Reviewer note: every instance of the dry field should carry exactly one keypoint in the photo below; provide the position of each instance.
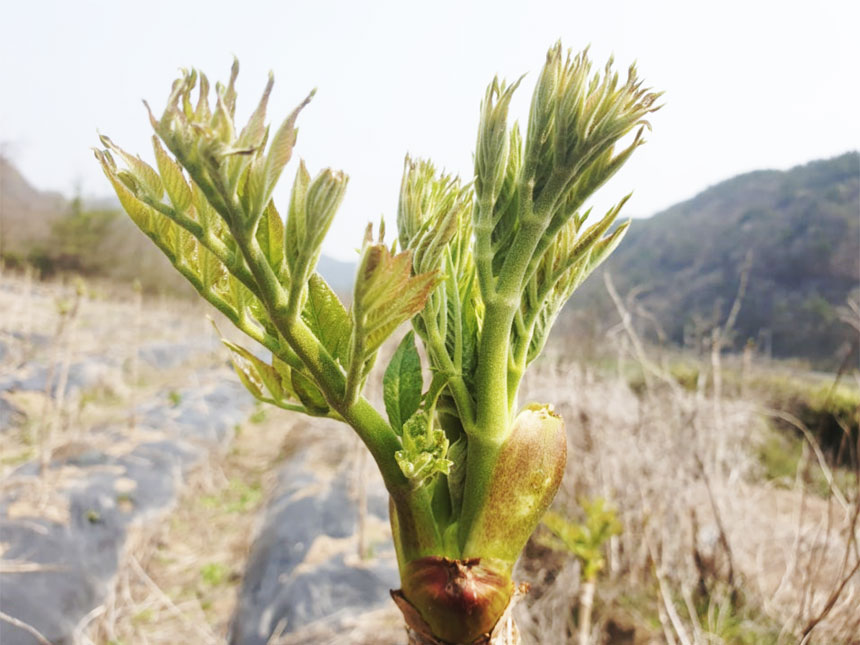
(711, 550)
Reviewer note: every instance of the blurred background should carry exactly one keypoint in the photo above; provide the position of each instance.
(708, 372)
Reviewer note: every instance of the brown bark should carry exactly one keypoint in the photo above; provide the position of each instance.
(504, 633)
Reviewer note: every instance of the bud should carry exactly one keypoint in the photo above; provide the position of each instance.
(491, 150)
(524, 482)
(544, 100)
(433, 209)
(323, 199)
(459, 600)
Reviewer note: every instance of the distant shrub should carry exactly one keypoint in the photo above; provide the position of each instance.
(831, 412)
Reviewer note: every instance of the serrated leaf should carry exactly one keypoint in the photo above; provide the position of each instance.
(140, 213)
(172, 178)
(270, 235)
(253, 132)
(162, 227)
(262, 372)
(309, 394)
(245, 376)
(402, 383)
(386, 294)
(145, 174)
(206, 215)
(296, 233)
(281, 148)
(185, 244)
(209, 268)
(327, 318)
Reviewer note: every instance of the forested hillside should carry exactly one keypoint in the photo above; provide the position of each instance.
(795, 233)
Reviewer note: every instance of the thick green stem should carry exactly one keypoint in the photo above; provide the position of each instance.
(493, 414)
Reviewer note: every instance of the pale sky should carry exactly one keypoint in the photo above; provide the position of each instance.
(749, 84)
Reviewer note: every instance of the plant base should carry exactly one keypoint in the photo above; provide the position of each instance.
(504, 633)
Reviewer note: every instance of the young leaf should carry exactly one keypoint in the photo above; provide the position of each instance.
(310, 395)
(424, 450)
(402, 383)
(281, 149)
(270, 235)
(145, 175)
(327, 318)
(386, 294)
(261, 373)
(140, 213)
(172, 178)
(209, 269)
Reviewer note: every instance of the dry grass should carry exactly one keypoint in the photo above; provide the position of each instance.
(710, 552)
(180, 576)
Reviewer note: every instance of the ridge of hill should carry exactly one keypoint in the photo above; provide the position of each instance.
(796, 235)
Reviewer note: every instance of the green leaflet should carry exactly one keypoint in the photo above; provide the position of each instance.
(140, 213)
(327, 318)
(386, 295)
(270, 235)
(172, 178)
(146, 178)
(256, 374)
(281, 149)
(206, 215)
(424, 450)
(491, 155)
(586, 540)
(402, 383)
(277, 383)
(310, 395)
(313, 205)
(209, 268)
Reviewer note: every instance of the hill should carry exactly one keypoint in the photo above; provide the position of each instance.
(26, 214)
(797, 232)
(94, 238)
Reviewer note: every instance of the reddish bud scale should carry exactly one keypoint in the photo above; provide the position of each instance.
(524, 482)
(459, 600)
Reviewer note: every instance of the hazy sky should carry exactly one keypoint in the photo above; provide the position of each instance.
(749, 84)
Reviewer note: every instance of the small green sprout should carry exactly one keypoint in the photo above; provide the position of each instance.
(587, 540)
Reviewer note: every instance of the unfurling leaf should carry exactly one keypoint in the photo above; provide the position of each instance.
(256, 374)
(312, 208)
(327, 318)
(309, 394)
(140, 213)
(270, 235)
(432, 210)
(402, 383)
(171, 175)
(146, 179)
(386, 294)
(491, 154)
(281, 148)
(425, 449)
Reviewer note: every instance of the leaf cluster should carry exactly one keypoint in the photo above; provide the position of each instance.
(207, 205)
(586, 540)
